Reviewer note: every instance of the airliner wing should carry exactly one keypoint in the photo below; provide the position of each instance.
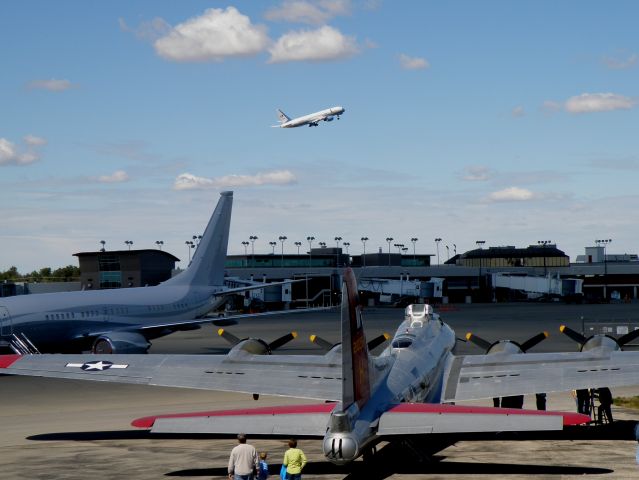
(499, 375)
(303, 376)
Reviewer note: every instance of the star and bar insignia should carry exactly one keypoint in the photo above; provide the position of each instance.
(96, 366)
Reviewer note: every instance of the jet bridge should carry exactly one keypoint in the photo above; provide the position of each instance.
(391, 290)
(533, 287)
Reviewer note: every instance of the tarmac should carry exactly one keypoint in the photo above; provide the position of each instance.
(63, 429)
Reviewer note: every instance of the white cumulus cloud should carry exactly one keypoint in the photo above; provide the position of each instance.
(52, 85)
(12, 154)
(477, 173)
(617, 63)
(187, 181)
(320, 45)
(213, 36)
(413, 63)
(116, 177)
(511, 194)
(598, 102)
(518, 111)
(312, 12)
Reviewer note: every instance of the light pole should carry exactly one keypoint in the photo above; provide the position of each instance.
(454, 249)
(543, 244)
(364, 240)
(479, 244)
(389, 240)
(322, 244)
(605, 242)
(347, 244)
(337, 240)
(246, 244)
(129, 243)
(437, 240)
(298, 245)
(103, 244)
(447, 253)
(310, 247)
(414, 241)
(159, 243)
(282, 239)
(189, 245)
(252, 239)
(272, 244)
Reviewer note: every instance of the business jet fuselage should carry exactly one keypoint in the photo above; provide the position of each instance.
(312, 120)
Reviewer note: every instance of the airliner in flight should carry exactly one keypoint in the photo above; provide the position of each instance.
(124, 320)
(407, 395)
(312, 120)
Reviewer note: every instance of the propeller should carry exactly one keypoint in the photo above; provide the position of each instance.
(599, 340)
(283, 340)
(506, 345)
(326, 345)
(256, 345)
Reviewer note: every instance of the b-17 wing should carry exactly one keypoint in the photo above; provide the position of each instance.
(498, 375)
(303, 376)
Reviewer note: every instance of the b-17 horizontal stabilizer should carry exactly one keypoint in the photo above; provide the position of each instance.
(291, 420)
(423, 418)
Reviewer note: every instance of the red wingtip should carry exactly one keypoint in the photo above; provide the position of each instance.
(145, 422)
(7, 360)
(575, 418)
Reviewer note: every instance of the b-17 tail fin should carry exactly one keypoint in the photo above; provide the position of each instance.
(355, 359)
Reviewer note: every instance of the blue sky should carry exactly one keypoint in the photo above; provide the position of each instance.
(509, 122)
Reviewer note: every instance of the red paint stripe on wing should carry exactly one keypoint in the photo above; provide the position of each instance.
(570, 418)
(7, 360)
(147, 422)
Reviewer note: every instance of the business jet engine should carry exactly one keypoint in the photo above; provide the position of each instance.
(329, 119)
(120, 342)
(599, 340)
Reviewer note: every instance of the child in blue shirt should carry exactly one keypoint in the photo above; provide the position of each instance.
(262, 472)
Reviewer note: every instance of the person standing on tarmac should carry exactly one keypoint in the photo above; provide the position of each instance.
(294, 461)
(243, 462)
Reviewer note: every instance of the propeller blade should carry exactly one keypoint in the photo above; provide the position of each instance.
(320, 342)
(229, 337)
(532, 341)
(377, 341)
(480, 342)
(576, 336)
(628, 337)
(283, 340)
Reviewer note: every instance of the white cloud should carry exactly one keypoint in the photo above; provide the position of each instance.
(324, 44)
(518, 111)
(512, 194)
(616, 63)
(52, 85)
(413, 63)
(187, 181)
(213, 36)
(598, 102)
(11, 154)
(312, 12)
(34, 141)
(118, 176)
(478, 173)
(150, 30)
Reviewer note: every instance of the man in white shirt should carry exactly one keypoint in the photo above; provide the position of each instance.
(243, 461)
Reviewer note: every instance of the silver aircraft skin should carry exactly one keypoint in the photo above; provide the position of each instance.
(124, 320)
(407, 392)
(312, 120)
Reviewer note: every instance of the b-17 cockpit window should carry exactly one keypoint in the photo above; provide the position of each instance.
(402, 342)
